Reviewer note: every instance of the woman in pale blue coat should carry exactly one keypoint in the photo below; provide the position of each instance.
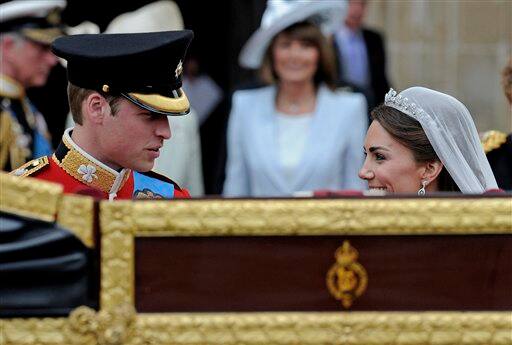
(299, 133)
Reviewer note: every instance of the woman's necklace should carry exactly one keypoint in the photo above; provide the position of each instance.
(296, 106)
(293, 107)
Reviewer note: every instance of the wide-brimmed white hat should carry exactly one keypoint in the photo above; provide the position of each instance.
(163, 15)
(280, 14)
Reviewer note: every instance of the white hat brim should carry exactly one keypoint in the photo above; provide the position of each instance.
(163, 15)
(28, 8)
(252, 52)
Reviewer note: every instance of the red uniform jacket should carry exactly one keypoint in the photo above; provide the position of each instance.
(81, 173)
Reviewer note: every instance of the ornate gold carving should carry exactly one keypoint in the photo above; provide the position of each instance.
(40, 331)
(346, 279)
(44, 200)
(318, 217)
(356, 328)
(120, 221)
(353, 328)
(108, 327)
(76, 213)
(117, 254)
(29, 197)
(84, 326)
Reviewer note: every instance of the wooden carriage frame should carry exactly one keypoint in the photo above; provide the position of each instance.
(117, 322)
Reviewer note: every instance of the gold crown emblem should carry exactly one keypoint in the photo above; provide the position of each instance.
(346, 279)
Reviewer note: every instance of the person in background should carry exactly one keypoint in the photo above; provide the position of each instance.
(298, 133)
(27, 28)
(202, 90)
(120, 94)
(423, 141)
(361, 55)
(498, 145)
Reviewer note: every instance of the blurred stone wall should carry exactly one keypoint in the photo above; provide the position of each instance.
(455, 46)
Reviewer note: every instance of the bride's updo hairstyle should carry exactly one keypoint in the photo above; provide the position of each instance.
(409, 133)
(450, 130)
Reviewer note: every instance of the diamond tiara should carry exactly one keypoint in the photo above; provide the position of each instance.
(393, 99)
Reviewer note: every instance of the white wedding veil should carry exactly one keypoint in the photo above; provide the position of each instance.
(451, 132)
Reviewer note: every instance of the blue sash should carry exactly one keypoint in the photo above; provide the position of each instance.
(41, 146)
(147, 187)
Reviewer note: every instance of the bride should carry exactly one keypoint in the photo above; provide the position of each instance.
(423, 141)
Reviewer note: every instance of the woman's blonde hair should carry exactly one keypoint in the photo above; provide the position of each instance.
(310, 33)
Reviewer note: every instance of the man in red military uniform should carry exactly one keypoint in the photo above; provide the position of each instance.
(121, 89)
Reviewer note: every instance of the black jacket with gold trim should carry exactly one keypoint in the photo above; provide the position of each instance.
(23, 131)
(498, 148)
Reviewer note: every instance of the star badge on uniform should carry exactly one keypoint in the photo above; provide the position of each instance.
(147, 194)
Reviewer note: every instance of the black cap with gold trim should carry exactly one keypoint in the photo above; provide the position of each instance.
(145, 68)
(37, 20)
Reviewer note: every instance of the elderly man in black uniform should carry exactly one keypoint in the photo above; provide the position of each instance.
(27, 28)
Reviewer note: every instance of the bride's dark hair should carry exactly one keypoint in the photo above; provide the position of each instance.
(409, 133)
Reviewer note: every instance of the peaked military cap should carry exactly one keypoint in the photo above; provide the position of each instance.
(37, 20)
(145, 68)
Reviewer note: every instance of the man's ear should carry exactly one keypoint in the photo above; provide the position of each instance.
(432, 170)
(8, 44)
(95, 108)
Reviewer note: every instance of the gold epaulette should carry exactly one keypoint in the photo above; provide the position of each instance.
(6, 137)
(10, 88)
(492, 140)
(31, 167)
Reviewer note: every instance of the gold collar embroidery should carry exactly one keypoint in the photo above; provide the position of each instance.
(86, 169)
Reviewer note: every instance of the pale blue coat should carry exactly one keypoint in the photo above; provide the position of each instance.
(332, 156)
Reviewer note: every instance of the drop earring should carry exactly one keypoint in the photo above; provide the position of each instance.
(422, 191)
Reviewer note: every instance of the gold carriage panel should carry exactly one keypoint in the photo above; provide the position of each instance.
(302, 271)
(160, 262)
